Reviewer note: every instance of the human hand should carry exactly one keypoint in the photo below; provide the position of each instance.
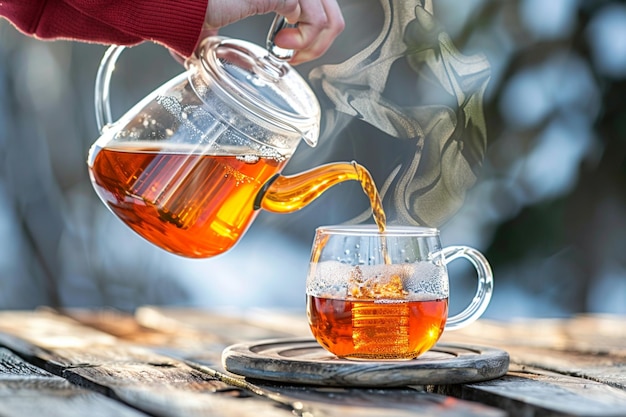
(319, 22)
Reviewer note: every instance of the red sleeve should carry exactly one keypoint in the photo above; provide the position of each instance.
(175, 24)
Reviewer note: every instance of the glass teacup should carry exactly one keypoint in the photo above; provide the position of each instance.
(373, 295)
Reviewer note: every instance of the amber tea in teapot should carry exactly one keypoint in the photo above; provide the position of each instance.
(198, 205)
(193, 205)
(189, 166)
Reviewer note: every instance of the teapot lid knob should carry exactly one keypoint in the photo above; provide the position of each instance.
(259, 81)
(276, 51)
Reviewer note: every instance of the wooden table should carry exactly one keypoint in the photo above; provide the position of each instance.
(167, 362)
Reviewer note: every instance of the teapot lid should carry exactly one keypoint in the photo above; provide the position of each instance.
(267, 87)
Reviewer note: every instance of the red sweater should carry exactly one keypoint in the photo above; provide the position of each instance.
(175, 24)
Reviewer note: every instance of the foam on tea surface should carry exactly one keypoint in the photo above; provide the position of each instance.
(418, 281)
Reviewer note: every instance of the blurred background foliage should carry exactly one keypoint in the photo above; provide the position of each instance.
(549, 208)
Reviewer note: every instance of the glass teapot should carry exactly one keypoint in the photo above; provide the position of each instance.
(190, 165)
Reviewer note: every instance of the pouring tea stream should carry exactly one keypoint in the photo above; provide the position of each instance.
(189, 167)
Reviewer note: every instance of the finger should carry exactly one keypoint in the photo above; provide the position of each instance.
(322, 42)
(310, 22)
(318, 33)
(318, 26)
(292, 15)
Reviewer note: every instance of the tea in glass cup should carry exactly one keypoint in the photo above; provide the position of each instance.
(384, 295)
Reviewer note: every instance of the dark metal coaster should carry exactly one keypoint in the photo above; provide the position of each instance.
(304, 361)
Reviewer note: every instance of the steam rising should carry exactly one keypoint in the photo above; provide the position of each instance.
(443, 122)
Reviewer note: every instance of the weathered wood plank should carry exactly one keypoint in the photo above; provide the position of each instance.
(133, 375)
(166, 386)
(229, 328)
(401, 402)
(531, 392)
(594, 334)
(574, 367)
(192, 334)
(49, 329)
(604, 368)
(325, 401)
(26, 390)
(587, 347)
(598, 333)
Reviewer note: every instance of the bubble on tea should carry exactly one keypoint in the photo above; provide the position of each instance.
(427, 281)
(248, 159)
(195, 124)
(171, 105)
(270, 153)
(328, 279)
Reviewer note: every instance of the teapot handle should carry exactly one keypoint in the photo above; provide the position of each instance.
(107, 66)
(103, 82)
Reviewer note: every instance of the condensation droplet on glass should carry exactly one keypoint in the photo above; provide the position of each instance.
(169, 132)
(346, 252)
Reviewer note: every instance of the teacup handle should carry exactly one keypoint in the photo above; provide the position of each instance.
(483, 292)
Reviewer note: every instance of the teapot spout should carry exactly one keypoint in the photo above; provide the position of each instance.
(286, 194)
